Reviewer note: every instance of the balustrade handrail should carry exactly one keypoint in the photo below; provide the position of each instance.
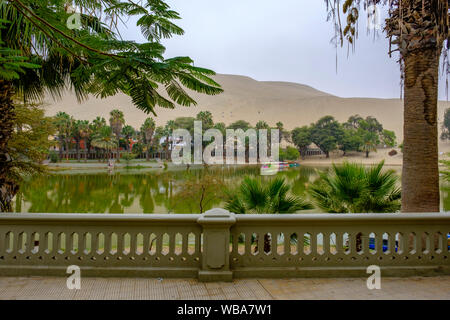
(98, 218)
(327, 217)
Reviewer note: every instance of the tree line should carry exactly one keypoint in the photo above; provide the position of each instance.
(356, 134)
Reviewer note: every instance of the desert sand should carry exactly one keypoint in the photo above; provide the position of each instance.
(251, 100)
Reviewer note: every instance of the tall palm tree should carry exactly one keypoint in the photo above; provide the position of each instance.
(147, 130)
(64, 124)
(128, 133)
(80, 131)
(104, 139)
(61, 121)
(354, 188)
(117, 121)
(418, 30)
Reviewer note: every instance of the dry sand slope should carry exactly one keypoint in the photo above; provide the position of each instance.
(245, 98)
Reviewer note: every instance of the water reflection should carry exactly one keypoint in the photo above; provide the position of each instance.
(150, 192)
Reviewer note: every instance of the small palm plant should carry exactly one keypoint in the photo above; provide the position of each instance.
(354, 188)
(254, 196)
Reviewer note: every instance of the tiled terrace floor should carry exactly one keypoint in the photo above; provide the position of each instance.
(130, 288)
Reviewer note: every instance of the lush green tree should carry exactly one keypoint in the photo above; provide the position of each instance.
(185, 123)
(355, 188)
(206, 118)
(419, 31)
(117, 121)
(105, 139)
(90, 59)
(327, 133)
(80, 131)
(290, 153)
(262, 125)
(64, 124)
(351, 140)
(370, 141)
(128, 133)
(29, 145)
(147, 131)
(240, 124)
(301, 137)
(388, 138)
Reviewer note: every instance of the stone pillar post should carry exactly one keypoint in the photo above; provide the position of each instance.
(216, 225)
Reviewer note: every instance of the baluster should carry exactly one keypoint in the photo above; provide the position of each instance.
(412, 243)
(133, 244)
(235, 240)
(339, 244)
(248, 243)
(198, 243)
(82, 239)
(379, 243)
(95, 243)
(391, 243)
(364, 243)
(159, 244)
(3, 239)
(260, 243)
(172, 243)
(108, 243)
(351, 243)
(287, 243)
(313, 243)
(146, 243)
(47, 243)
(401, 243)
(120, 243)
(326, 243)
(30, 243)
(184, 243)
(300, 243)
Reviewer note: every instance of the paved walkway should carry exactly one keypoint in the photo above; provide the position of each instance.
(171, 289)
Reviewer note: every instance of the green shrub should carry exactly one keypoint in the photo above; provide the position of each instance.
(54, 158)
(289, 153)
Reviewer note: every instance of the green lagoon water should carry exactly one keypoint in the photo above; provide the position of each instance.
(145, 191)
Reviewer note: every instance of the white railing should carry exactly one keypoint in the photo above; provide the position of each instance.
(219, 245)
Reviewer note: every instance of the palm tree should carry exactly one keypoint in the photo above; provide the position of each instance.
(206, 118)
(116, 121)
(128, 132)
(256, 196)
(104, 139)
(147, 130)
(61, 122)
(354, 188)
(418, 30)
(80, 130)
(64, 123)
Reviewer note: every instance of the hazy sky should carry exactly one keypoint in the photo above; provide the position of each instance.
(285, 40)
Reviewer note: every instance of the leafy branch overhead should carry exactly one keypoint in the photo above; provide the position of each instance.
(94, 58)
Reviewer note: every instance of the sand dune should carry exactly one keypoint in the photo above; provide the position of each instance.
(245, 98)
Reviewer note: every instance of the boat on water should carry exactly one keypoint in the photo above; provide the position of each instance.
(271, 168)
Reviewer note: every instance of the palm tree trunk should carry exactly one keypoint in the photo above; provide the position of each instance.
(8, 188)
(420, 175)
(78, 150)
